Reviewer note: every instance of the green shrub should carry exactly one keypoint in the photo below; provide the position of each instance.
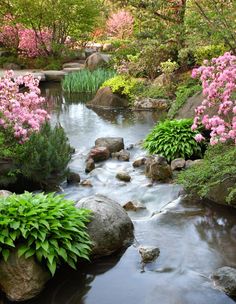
(123, 85)
(173, 139)
(154, 92)
(45, 156)
(151, 57)
(219, 164)
(48, 227)
(208, 52)
(186, 57)
(183, 92)
(86, 81)
(169, 66)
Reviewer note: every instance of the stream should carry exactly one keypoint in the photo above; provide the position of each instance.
(194, 239)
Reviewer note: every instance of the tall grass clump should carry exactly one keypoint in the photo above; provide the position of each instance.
(85, 81)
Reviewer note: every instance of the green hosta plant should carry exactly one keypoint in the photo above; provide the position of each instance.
(173, 139)
(48, 227)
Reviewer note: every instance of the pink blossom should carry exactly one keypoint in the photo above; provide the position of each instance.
(19, 111)
(120, 24)
(219, 88)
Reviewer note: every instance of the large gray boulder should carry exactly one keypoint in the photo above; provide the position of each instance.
(22, 279)
(114, 144)
(110, 228)
(105, 99)
(95, 61)
(5, 193)
(157, 169)
(224, 279)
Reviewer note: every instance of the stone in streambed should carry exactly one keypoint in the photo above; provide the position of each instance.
(139, 162)
(123, 155)
(73, 178)
(123, 176)
(149, 253)
(133, 206)
(90, 165)
(22, 279)
(99, 154)
(224, 279)
(114, 144)
(110, 228)
(157, 169)
(86, 183)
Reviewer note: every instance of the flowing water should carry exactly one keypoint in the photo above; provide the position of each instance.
(194, 239)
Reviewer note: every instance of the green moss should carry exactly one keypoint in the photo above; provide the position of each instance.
(219, 163)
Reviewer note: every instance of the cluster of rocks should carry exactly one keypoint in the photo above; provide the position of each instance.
(155, 167)
(106, 99)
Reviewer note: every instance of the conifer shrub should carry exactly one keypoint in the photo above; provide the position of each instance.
(48, 227)
(45, 156)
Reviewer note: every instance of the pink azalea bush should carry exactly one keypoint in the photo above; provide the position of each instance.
(21, 112)
(219, 89)
(26, 41)
(120, 24)
(33, 45)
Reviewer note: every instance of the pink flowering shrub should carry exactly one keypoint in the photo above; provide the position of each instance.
(219, 89)
(32, 45)
(26, 42)
(120, 24)
(21, 111)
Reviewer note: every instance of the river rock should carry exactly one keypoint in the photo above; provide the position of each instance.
(133, 206)
(177, 164)
(11, 66)
(99, 154)
(90, 165)
(72, 65)
(55, 76)
(86, 183)
(123, 155)
(157, 169)
(114, 144)
(105, 99)
(139, 162)
(107, 47)
(188, 163)
(73, 178)
(22, 279)
(5, 193)
(146, 103)
(149, 253)
(110, 228)
(123, 176)
(95, 61)
(224, 279)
